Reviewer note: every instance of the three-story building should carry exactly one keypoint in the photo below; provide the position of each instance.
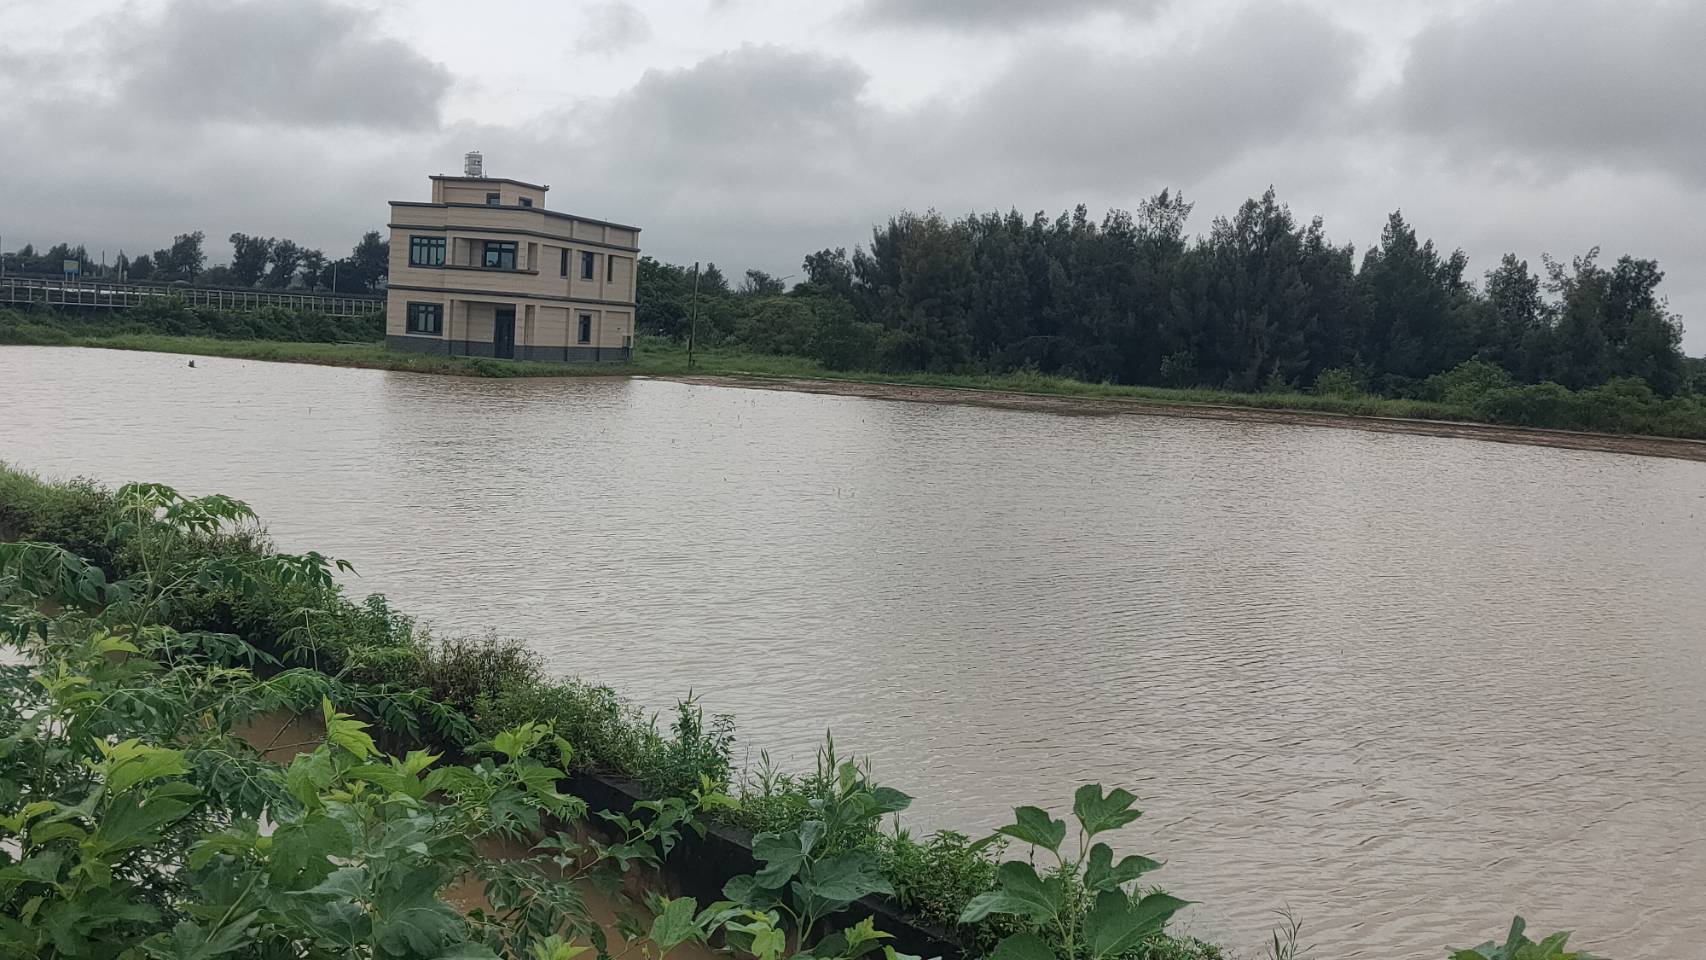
(484, 270)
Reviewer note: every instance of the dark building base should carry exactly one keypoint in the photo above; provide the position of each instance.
(477, 348)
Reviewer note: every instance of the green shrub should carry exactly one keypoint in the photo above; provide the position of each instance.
(72, 514)
(607, 733)
(696, 752)
(1340, 382)
(1467, 383)
(459, 671)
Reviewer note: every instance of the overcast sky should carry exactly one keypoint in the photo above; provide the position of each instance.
(751, 132)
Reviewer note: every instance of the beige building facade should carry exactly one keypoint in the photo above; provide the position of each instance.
(484, 270)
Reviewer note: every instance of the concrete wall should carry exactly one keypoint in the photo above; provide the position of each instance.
(543, 331)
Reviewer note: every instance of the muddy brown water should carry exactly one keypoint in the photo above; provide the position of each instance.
(1405, 685)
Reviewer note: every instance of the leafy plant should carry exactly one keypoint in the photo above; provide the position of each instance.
(1517, 946)
(1083, 907)
(804, 879)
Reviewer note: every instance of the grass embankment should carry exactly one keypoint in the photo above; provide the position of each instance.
(664, 358)
(1474, 400)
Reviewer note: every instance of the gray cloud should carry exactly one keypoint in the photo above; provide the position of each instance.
(613, 25)
(1096, 121)
(309, 63)
(1563, 83)
(990, 14)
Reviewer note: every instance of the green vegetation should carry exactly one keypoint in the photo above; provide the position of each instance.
(1261, 302)
(171, 318)
(154, 626)
(1473, 392)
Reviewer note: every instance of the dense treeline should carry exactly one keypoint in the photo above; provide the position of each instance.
(256, 261)
(1260, 302)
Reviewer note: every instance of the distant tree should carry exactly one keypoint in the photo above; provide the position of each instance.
(712, 283)
(1517, 315)
(371, 261)
(219, 276)
(249, 258)
(142, 267)
(313, 264)
(286, 257)
(760, 284)
(183, 260)
(1581, 354)
(828, 273)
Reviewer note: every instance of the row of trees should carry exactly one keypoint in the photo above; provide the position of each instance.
(1261, 301)
(255, 261)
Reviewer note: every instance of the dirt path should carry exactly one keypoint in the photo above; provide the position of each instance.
(1109, 406)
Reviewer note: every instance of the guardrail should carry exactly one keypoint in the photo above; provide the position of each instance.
(102, 294)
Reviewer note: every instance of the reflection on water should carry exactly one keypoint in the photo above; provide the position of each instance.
(1405, 685)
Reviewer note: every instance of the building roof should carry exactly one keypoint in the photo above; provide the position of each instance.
(540, 210)
(519, 183)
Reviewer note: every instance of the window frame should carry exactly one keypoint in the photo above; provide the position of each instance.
(609, 269)
(583, 328)
(563, 263)
(494, 199)
(589, 265)
(414, 327)
(501, 245)
(525, 201)
(424, 241)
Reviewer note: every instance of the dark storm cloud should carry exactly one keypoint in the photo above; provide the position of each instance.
(1565, 83)
(310, 63)
(990, 14)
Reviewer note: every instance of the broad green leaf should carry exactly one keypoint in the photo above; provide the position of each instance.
(346, 732)
(133, 821)
(887, 800)
(844, 878)
(785, 853)
(1020, 892)
(1023, 946)
(1101, 873)
(1115, 924)
(674, 923)
(131, 763)
(1098, 813)
(1034, 826)
(191, 941)
(40, 868)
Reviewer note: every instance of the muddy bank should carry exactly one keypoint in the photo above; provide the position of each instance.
(1115, 406)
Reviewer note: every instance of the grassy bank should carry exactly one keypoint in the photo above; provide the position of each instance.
(1475, 393)
(666, 358)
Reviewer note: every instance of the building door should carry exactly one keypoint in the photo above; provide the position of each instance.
(503, 334)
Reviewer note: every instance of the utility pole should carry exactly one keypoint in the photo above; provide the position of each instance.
(693, 326)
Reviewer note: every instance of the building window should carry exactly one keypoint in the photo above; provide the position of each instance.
(426, 318)
(586, 266)
(493, 199)
(563, 265)
(585, 332)
(500, 255)
(526, 201)
(426, 251)
(609, 269)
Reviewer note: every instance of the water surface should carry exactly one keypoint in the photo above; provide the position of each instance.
(1406, 685)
